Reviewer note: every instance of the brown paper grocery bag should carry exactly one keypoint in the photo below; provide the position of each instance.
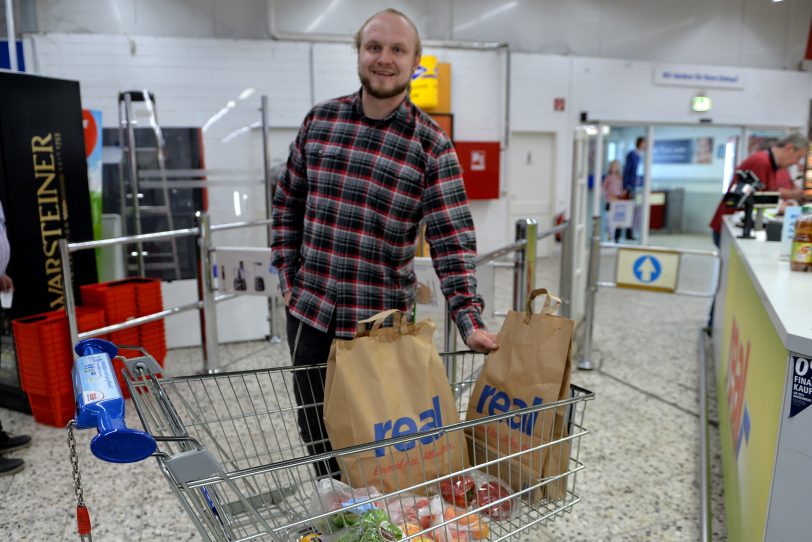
(389, 382)
(531, 367)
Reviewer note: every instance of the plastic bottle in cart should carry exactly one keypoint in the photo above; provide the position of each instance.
(801, 256)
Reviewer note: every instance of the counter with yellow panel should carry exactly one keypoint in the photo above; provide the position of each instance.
(763, 345)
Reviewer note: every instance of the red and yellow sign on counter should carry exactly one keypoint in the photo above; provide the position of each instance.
(751, 375)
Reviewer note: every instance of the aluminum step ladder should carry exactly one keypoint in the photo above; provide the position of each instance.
(137, 156)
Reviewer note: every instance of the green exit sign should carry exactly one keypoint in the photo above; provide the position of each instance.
(701, 104)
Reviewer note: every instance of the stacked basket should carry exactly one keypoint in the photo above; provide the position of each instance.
(123, 300)
(45, 360)
(44, 349)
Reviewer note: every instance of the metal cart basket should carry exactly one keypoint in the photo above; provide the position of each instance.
(230, 448)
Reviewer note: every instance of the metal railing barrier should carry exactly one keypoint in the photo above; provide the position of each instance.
(646, 272)
(524, 275)
(207, 297)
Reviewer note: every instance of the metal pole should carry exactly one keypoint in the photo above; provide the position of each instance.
(524, 262)
(597, 173)
(645, 211)
(133, 171)
(704, 475)
(450, 339)
(568, 249)
(269, 183)
(70, 303)
(205, 291)
(12, 36)
(586, 363)
(565, 273)
(266, 164)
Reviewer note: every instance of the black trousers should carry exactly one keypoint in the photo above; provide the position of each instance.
(313, 347)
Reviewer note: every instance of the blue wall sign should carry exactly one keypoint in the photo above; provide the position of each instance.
(673, 151)
(5, 58)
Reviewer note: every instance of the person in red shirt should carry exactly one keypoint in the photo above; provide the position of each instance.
(770, 167)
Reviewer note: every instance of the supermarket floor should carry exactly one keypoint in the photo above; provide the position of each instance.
(641, 481)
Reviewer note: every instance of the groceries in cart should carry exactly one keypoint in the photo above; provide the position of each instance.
(358, 512)
(488, 494)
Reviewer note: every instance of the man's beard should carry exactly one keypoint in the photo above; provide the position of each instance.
(381, 94)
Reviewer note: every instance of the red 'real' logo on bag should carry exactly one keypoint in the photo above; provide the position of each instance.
(737, 363)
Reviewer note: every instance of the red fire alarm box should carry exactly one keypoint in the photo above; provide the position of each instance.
(480, 168)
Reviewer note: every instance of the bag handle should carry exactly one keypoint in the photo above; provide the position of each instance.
(378, 320)
(551, 302)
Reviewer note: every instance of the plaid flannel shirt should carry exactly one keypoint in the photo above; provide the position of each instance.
(346, 214)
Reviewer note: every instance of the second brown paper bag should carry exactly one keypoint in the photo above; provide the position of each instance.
(531, 367)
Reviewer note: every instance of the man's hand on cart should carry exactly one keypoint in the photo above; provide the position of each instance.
(482, 341)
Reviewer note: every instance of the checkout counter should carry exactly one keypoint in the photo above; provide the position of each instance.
(763, 351)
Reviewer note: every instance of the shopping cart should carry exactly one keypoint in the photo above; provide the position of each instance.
(229, 446)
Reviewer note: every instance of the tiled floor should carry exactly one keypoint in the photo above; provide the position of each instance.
(642, 455)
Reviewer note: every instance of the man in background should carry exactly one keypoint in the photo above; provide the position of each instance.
(631, 180)
(363, 172)
(770, 166)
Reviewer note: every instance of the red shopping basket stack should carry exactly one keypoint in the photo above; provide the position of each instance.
(45, 359)
(148, 300)
(124, 300)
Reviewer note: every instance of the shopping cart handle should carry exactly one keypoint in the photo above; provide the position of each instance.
(100, 405)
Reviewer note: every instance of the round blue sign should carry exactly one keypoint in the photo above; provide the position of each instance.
(647, 268)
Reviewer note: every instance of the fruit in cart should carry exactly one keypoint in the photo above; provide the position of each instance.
(479, 529)
(424, 514)
(458, 490)
(450, 533)
(475, 525)
(410, 528)
(468, 519)
(486, 496)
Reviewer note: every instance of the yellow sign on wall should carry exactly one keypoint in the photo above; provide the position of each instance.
(425, 90)
(752, 371)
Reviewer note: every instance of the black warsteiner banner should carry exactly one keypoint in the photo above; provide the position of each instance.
(43, 187)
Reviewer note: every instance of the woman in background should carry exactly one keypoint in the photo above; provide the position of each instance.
(612, 188)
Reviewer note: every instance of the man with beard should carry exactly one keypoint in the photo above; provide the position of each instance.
(364, 170)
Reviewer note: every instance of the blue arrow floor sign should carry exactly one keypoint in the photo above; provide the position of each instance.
(647, 268)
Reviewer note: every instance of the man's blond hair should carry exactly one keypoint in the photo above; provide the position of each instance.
(390, 11)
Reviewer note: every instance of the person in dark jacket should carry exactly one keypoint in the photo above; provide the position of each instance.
(632, 182)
